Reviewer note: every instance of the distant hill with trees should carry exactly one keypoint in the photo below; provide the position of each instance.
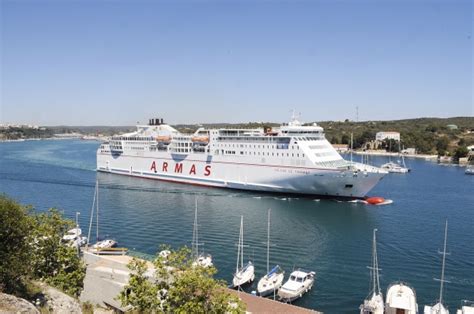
(426, 135)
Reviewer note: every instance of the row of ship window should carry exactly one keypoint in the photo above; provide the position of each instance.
(278, 146)
(232, 152)
(133, 138)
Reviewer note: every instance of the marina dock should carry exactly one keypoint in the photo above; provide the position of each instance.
(106, 276)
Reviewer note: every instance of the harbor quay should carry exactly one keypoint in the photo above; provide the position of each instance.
(106, 275)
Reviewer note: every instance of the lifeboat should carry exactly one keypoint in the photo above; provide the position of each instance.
(200, 139)
(375, 200)
(163, 138)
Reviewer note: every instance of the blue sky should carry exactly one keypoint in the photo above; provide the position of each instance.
(118, 62)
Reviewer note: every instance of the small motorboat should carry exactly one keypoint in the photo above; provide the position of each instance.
(72, 234)
(401, 298)
(203, 260)
(78, 242)
(299, 283)
(105, 244)
(271, 282)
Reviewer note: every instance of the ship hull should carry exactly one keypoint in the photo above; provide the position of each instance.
(252, 175)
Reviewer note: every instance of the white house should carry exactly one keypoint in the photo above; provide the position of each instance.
(380, 136)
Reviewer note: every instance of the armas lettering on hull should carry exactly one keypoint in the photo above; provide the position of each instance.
(179, 168)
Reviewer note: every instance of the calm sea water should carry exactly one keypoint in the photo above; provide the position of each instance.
(329, 237)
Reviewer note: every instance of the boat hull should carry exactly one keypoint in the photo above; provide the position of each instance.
(217, 171)
(267, 286)
(244, 276)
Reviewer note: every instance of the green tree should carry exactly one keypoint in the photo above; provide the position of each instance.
(141, 292)
(345, 139)
(390, 145)
(31, 248)
(461, 152)
(53, 261)
(365, 137)
(178, 286)
(15, 239)
(334, 140)
(442, 145)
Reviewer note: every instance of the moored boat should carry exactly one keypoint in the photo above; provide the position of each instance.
(243, 274)
(393, 167)
(200, 258)
(72, 234)
(298, 284)
(467, 307)
(440, 308)
(400, 299)
(104, 246)
(273, 279)
(373, 304)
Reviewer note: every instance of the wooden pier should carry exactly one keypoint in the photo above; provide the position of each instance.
(106, 276)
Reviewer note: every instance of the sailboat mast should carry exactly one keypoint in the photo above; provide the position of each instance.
(195, 232)
(390, 150)
(444, 260)
(352, 145)
(376, 266)
(97, 210)
(268, 241)
(242, 241)
(238, 246)
(92, 215)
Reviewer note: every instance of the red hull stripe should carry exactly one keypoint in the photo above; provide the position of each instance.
(159, 175)
(122, 172)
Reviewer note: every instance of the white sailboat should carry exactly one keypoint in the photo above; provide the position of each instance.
(243, 274)
(273, 280)
(106, 246)
(373, 304)
(394, 167)
(401, 299)
(439, 308)
(200, 259)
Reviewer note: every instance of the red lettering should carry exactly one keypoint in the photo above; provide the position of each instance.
(165, 166)
(207, 170)
(178, 168)
(193, 169)
(153, 167)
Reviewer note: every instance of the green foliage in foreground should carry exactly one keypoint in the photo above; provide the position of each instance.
(177, 286)
(31, 249)
(15, 226)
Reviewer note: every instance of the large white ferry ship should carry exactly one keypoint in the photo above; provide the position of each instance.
(293, 158)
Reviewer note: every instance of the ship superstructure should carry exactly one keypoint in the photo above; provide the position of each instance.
(293, 158)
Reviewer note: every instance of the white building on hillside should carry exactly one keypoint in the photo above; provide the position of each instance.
(380, 136)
